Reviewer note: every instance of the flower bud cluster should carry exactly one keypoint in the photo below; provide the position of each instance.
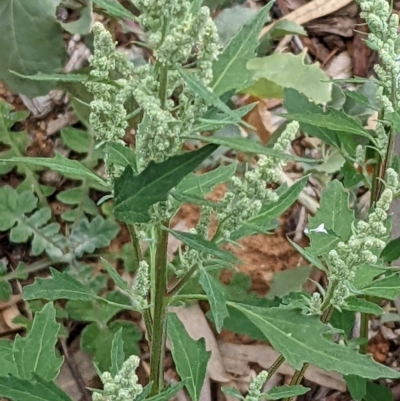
(141, 287)
(366, 242)
(256, 385)
(246, 196)
(124, 386)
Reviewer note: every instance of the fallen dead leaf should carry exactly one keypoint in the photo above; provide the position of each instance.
(236, 359)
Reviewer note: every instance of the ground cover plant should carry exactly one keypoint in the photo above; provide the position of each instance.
(182, 94)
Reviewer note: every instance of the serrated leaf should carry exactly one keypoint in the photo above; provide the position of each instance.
(357, 386)
(59, 286)
(287, 281)
(271, 74)
(97, 341)
(117, 353)
(70, 168)
(281, 392)
(391, 252)
(35, 353)
(216, 297)
(302, 341)
(198, 242)
(134, 194)
(115, 9)
(386, 288)
(229, 70)
(87, 236)
(185, 351)
(35, 389)
(29, 46)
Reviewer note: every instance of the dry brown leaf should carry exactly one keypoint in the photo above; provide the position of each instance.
(340, 67)
(9, 314)
(236, 358)
(65, 379)
(311, 11)
(197, 327)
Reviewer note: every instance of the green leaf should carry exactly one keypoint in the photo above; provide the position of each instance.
(281, 392)
(122, 155)
(332, 119)
(87, 236)
(297, 104)
(216, 297)
(308, 256)
(391, 252)
(378, 392)
(386, 288)
(357, 386)
(59, 286)
(185, 351)
(5, 291)
(249, 146)
(167, 393)
(365, 274)
(117, 353)
(35, 353)
(202, 184)
(363, 306)
(97, 341)
(115, 9)
(35, 389)
(76, 139)
(344, 320)
(118, 280)
(198, 242)
(229, 70)
(280, 29)
(70, 168)
(273, 73)
(98, 311)
(287, 281)
(302, 341)
(335, 215)
(209, 97)
(31, 40)
(134, 194)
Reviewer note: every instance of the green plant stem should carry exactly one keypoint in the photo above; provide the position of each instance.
(157, 345)
(275, 366)
(175, 289)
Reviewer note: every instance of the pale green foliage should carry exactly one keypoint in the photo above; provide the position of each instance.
(256, 385)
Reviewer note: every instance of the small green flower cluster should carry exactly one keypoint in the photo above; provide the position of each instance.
(256, 385)
(141, 287)
(246, 197)
(124, 386)
(382, 38)
(179, 33)
(365, 244)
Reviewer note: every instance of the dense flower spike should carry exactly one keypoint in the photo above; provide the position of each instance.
(124, 386)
